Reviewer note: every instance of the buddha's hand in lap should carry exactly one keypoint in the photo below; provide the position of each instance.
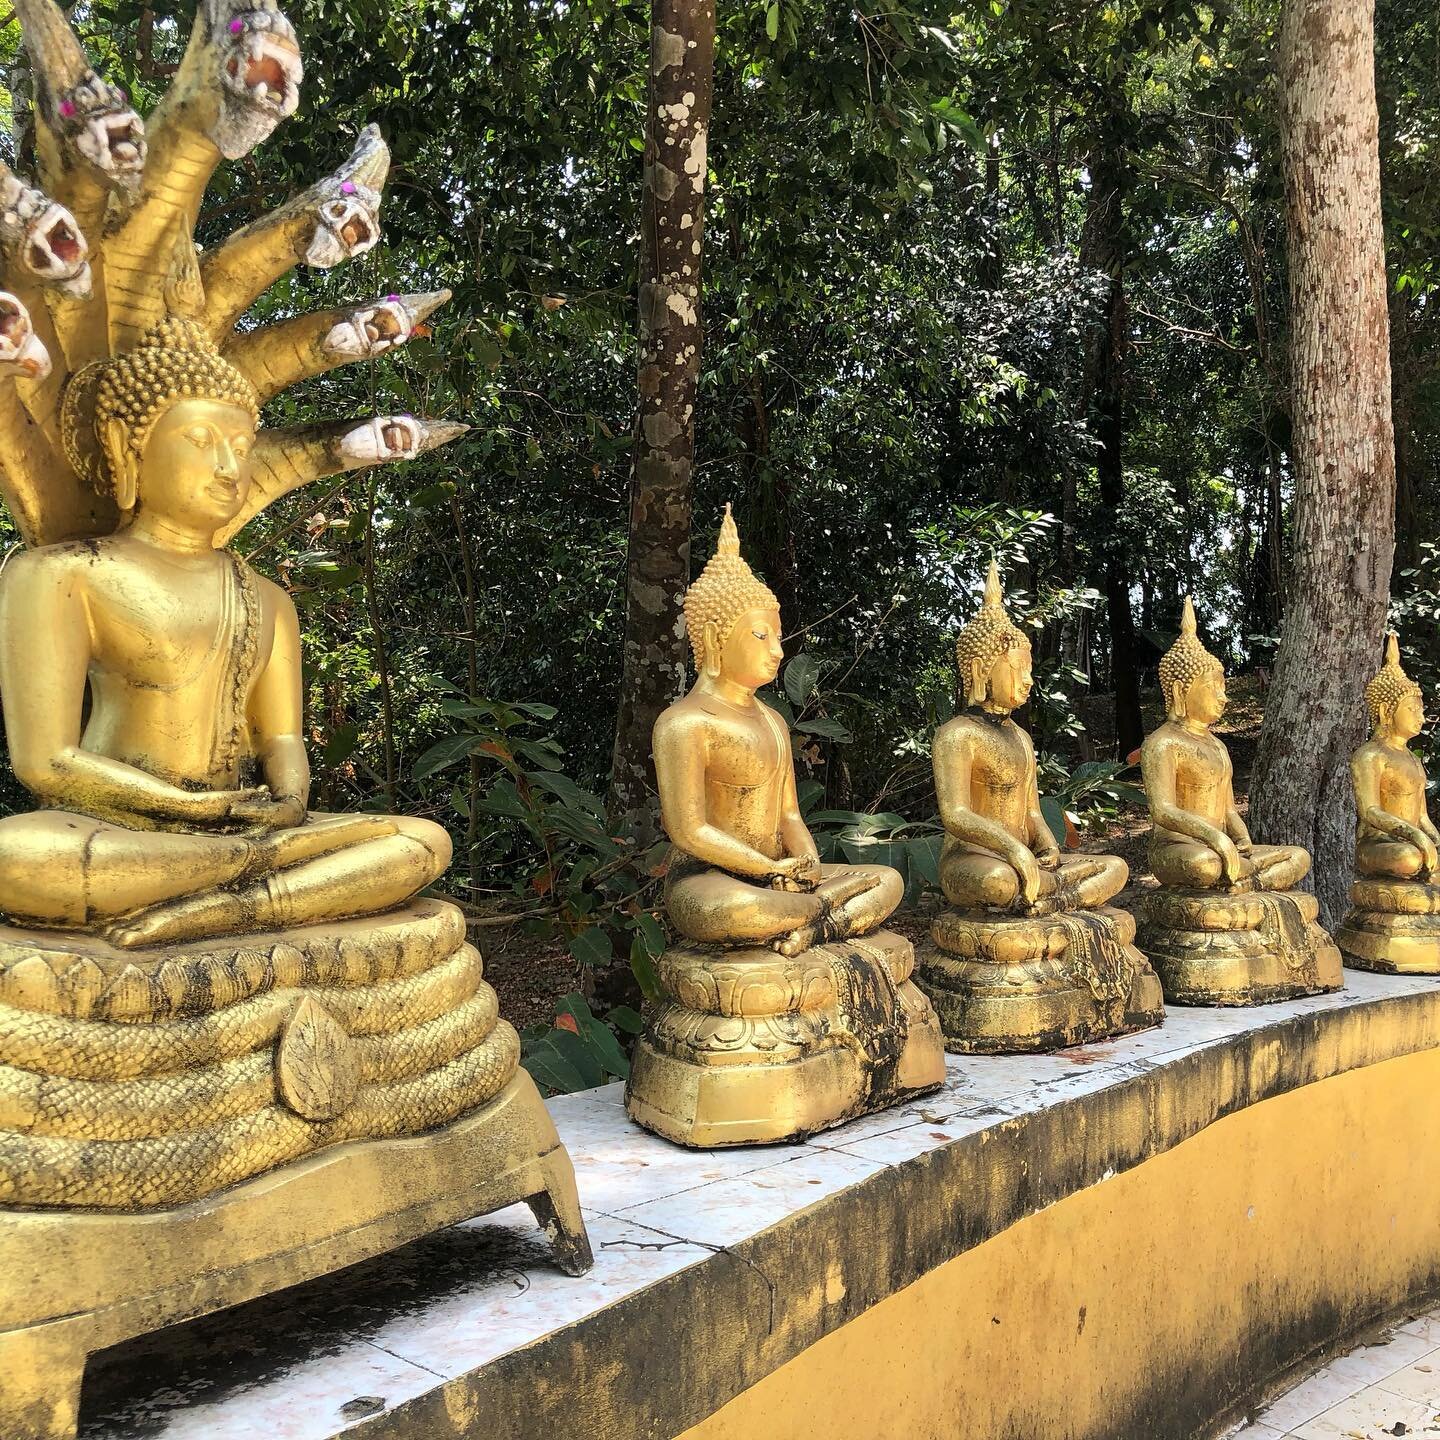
(265, 811)
(797, 874)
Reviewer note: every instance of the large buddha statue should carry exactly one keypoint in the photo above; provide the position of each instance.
(1030, 956)
(1226, 926)
(236, 1050)
(1393, 923)
(786, 1009)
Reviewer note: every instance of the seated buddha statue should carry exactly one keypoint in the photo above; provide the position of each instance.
(1226, 926)
(785, 1009)
(176, 809)
(1393, 923)
(1030, 956)
(238, 1047)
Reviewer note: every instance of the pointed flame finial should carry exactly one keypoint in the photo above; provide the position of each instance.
(994, 595)
(729, 535)
(1392, 649)
(1187, 617)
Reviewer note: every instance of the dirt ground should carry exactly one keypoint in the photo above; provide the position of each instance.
(532, 974)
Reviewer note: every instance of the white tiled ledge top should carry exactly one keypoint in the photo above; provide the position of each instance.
(310, 1363)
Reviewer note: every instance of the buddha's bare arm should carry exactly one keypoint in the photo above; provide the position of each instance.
(1042, 839)
(795, 834)
(680, 759)
(277, 714)
(951, 757)
(1235, 827)
(43, 690)
(1157, 768)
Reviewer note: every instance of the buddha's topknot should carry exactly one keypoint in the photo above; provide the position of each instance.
(725, 590)
(1187, 660)
(985, 639)
(1389, 685)
(175, 360)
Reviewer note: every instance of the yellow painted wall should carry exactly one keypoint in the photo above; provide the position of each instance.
(1321, 1203)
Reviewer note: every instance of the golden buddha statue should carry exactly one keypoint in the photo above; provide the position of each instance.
(236, 1050)
(1226, 926)
(785, 1010)
(1031, 957)
(1393, 923)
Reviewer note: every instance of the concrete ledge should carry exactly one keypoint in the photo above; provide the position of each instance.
(955, 1267)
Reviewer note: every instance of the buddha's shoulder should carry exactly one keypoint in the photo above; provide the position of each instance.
(69, 560)
(969, 728)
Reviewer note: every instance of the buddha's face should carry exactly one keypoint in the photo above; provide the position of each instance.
(752, 653)
(1011, 678)
(1204, 701)
(1407, 719)
(195, 472)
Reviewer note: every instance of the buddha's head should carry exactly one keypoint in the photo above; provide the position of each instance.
(993, 655)
(732, 618)
(1393, 698)
(176, 424)
(1191, 678)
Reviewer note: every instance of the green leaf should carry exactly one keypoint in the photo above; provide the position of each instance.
(592, 946)
(341, 744)
(622, 1017)
(442, 754)
(642, 966)
(553, 1071)
(825, 728)
(800, 676)
(772, 22)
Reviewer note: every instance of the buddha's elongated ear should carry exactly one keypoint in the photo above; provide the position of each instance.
(978, 682)
(1176, 698)
(710, 650)
(122, 461)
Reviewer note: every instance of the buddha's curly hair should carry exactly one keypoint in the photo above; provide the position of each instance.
(1187, 660)
(175, 360)
(991, 634)
(725, 590)
(1389, 685)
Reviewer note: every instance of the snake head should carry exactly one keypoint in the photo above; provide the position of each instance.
(21, 350)
(260, 75)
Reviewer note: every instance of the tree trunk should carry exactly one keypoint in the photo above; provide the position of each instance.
(1110, 431)
(1343, 442)
(1107, 245)
(682, 50)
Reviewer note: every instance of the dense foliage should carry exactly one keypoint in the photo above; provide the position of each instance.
(919, 222)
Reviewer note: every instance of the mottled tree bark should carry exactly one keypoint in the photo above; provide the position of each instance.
(682, 49)
(1343, 442)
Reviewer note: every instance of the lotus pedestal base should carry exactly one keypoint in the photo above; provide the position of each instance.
(750, 1047)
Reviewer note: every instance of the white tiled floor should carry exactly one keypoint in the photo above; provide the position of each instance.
(315, 1362)
(1391, 1387)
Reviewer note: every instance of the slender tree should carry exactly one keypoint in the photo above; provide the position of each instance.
(682, 51)
(1343, 440)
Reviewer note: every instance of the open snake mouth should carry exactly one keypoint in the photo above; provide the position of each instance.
(347, 226)
(20, 348)
(387, 437)
(107, 132)
(263, 66)
(56, 248)
(372, 330)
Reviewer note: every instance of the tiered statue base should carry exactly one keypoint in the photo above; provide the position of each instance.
(750, 1047)
(1392, 926)
(185, 1129)
(1214, 947)
(1024, 984)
